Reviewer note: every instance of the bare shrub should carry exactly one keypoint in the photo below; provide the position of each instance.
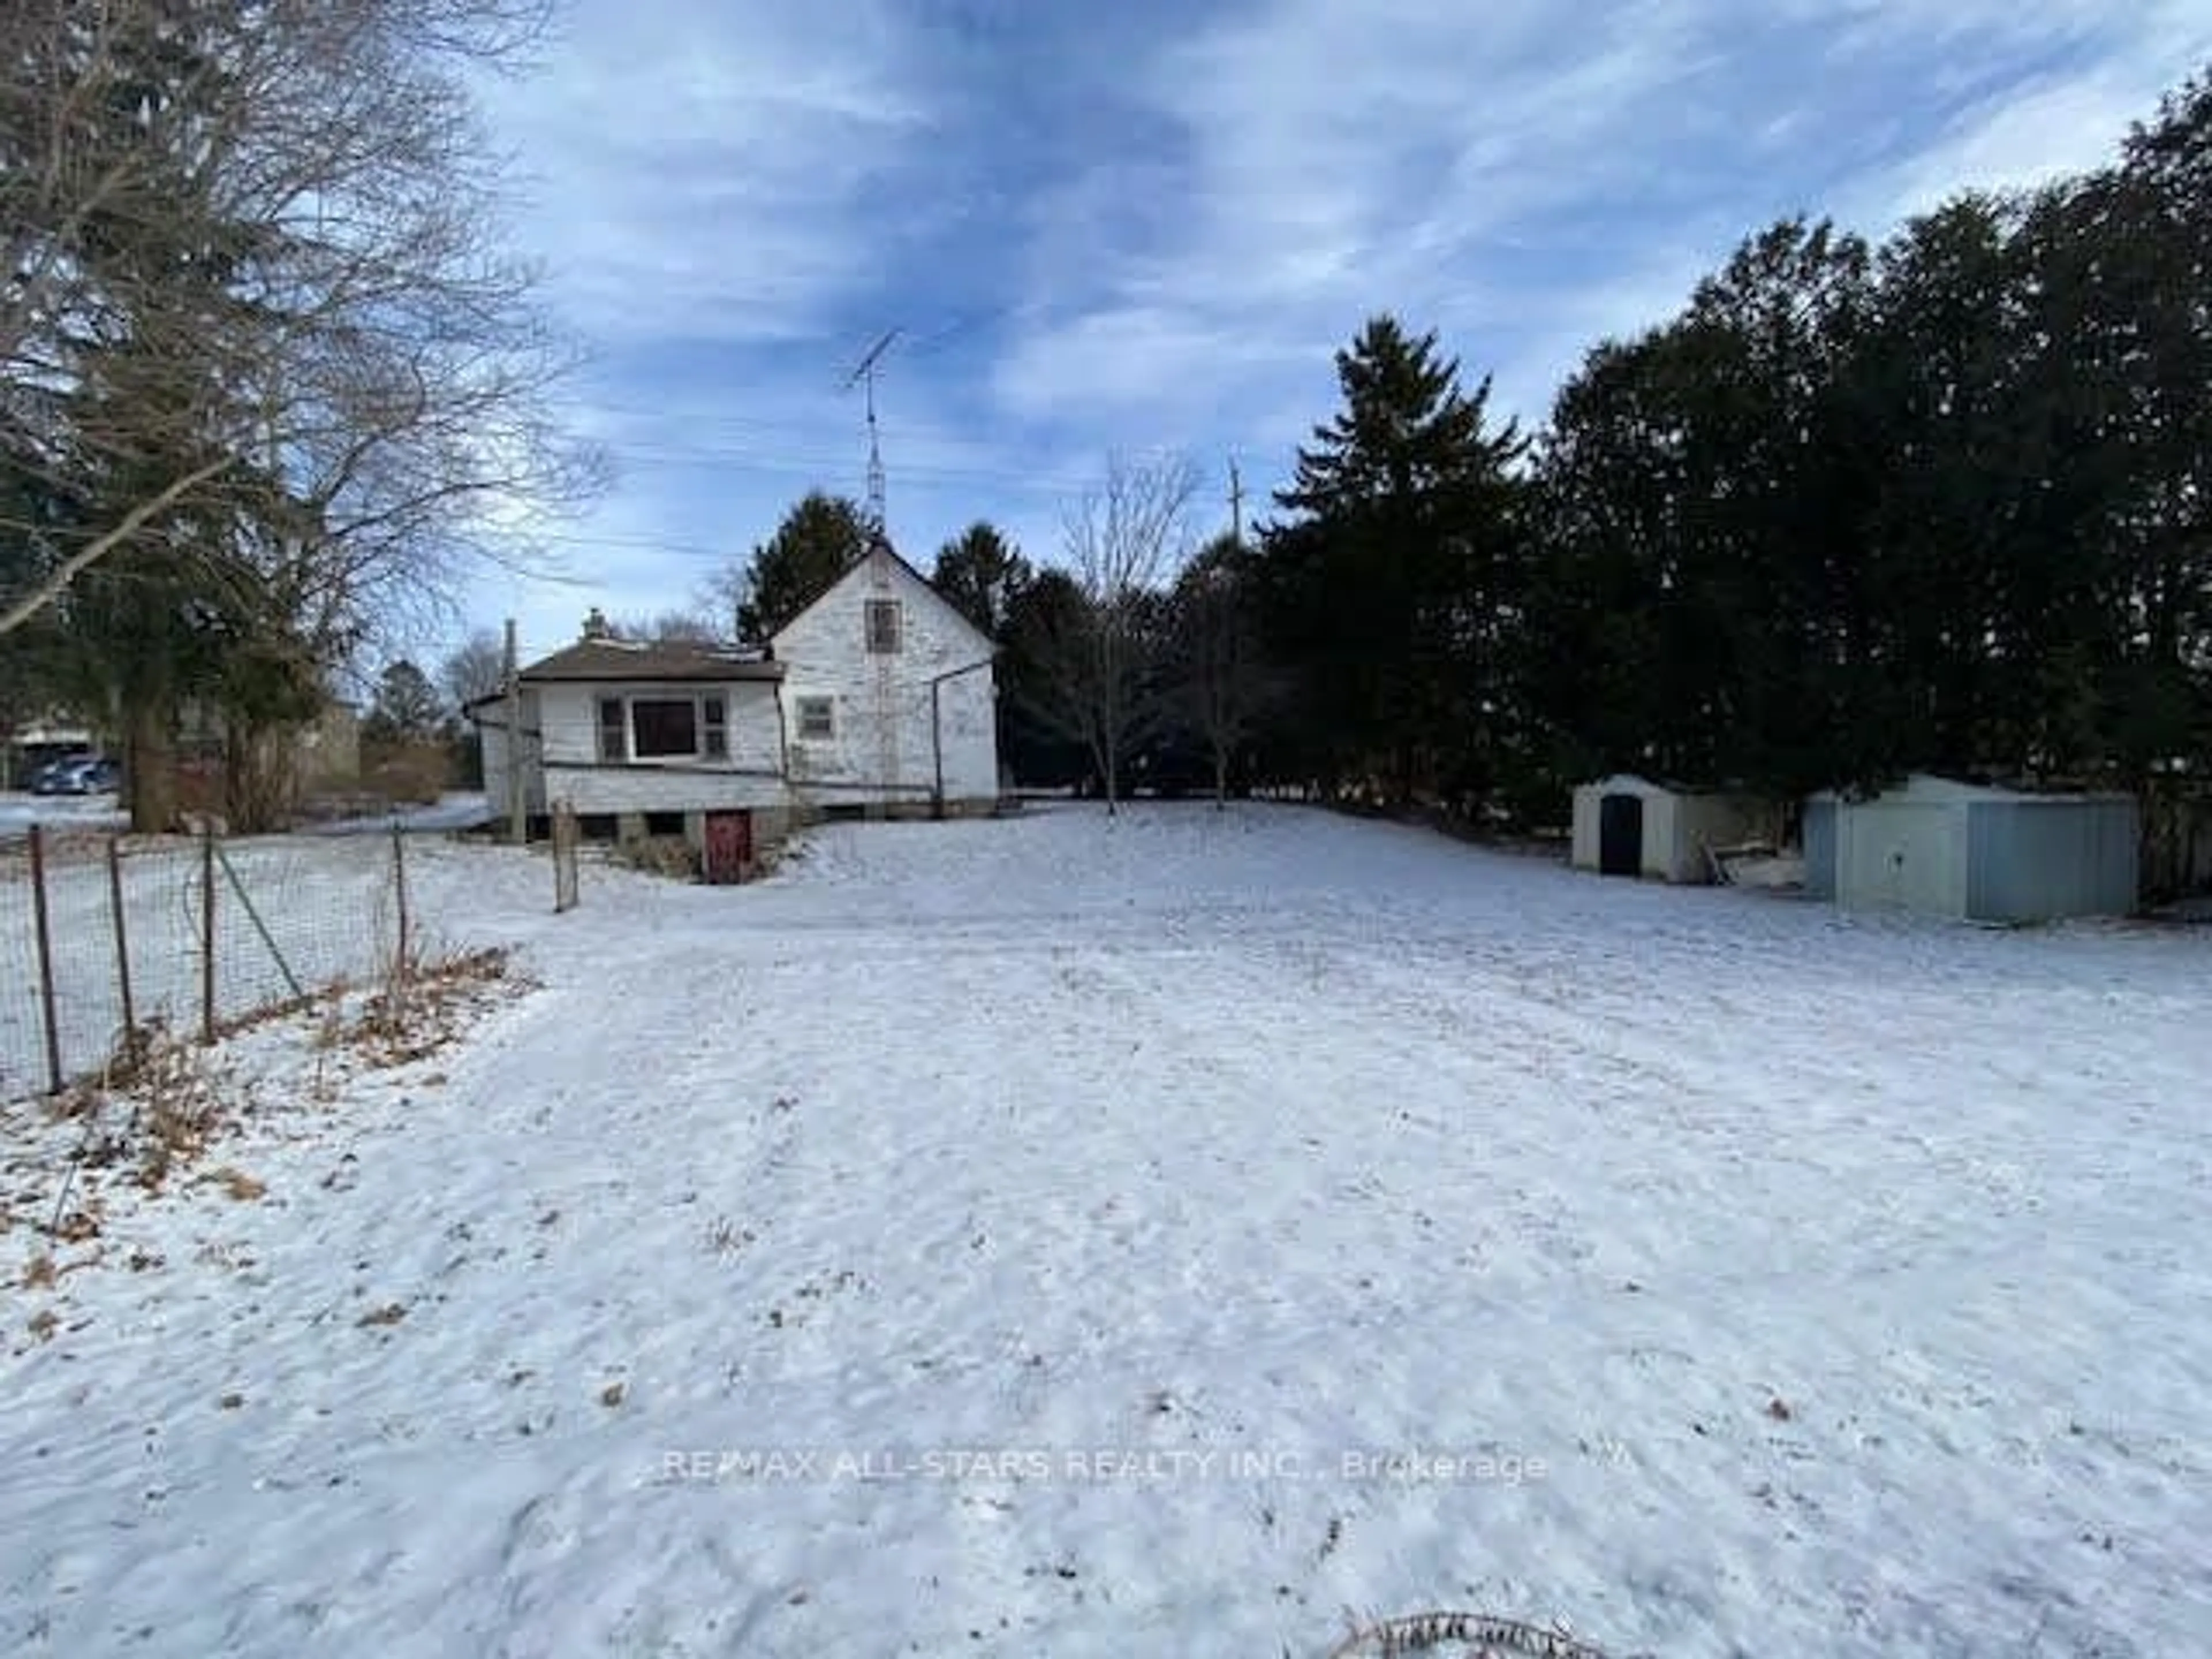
(407, 772)
(724, 1237)
(177, 1103)
(424, 1005)
(1478, 1635)
(657, 855)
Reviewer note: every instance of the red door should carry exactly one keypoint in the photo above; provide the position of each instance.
(729, 846)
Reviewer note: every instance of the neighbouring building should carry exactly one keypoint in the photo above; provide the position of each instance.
(286, 764)
(1625, 825)
(1942, 848)
(877, 700)
(32, 744)
(328, 749)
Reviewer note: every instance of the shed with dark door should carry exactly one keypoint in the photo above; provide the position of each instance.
(1625, 825)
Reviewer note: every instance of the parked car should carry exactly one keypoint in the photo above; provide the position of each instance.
(77, 775)
(45, 778)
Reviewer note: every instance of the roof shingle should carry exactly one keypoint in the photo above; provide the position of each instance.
(635, 660)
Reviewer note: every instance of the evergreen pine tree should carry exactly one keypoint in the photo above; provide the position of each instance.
(821, 538)
(1387, 587)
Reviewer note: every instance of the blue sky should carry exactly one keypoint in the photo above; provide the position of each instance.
(1148, 226)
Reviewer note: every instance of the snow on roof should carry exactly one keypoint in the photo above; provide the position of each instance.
(652, 660)
(1928, 788)
(1633, 783)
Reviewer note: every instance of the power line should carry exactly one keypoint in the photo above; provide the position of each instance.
(739, 460)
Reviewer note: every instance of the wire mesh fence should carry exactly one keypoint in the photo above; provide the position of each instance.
(105, 938)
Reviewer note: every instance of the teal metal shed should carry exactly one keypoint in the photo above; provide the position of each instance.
(1939, 846)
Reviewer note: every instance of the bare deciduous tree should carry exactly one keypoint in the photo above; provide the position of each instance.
(1122, 540)
(476, 669)
(257, 334)
(1219, 680)
(676, 626)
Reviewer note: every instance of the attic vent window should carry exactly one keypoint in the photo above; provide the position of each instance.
(883, 627)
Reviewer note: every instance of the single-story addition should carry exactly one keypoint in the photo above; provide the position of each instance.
(642, 738)
(1625, 825)
(877, 700)
(1942, 847)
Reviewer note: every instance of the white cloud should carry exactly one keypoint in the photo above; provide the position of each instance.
(694, 168)
(1340, 160)
(1118, 360)
(2064, 120)
(1245, 191)
(1459, 165)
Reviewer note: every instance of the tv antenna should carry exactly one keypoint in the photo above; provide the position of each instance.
(865, 375)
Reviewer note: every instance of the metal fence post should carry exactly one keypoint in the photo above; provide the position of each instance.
(115, 910)
(399, 886)
(207, 933)
(46, 943)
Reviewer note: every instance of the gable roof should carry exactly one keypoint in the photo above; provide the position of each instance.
(656, 659)
(882, 547)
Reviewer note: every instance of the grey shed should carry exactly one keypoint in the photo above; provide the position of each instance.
(1942, 847)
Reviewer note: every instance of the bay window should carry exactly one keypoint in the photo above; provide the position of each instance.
(664, 727)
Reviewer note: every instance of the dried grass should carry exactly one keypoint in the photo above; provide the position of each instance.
(657, 855)
(423, 1007)
(1478, 1636)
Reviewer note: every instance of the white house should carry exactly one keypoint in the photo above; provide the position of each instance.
(1625, 826)
(889, 696)
(878, 698)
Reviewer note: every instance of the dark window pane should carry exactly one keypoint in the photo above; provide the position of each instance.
(611, 747)
(883, 626)
(714, 718)
(664, 728)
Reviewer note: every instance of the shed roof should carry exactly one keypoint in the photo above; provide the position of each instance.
(1633, 783)
(601, 659)
(1926, 788)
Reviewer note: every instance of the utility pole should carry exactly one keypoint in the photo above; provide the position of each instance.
(517, 800)
(1236, 502)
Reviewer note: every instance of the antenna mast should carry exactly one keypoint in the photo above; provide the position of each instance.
(865, 375)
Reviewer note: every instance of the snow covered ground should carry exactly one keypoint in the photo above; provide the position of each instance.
(19, 811)
(459, 810)
(1031, 1236)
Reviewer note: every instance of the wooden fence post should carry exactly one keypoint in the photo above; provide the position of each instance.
(207, 933)
(46, 943)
